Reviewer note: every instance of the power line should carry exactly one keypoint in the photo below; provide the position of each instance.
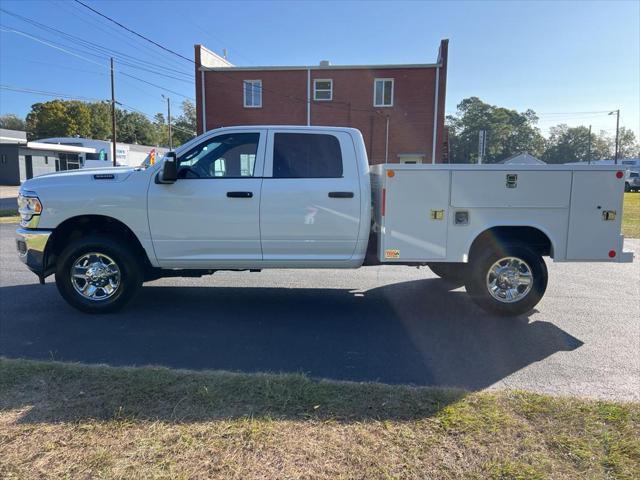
(157, 86)
(86, 17)
(49, 94)
(292, 98)
(57, 47)
(173, 126)
(77, 97)
(134, 32)
(105, 52)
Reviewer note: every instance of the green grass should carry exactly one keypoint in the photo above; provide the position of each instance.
(9, 216)
(631, 215)
(67, 421)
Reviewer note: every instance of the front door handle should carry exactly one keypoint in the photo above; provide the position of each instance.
(340, 194)
(239, 194)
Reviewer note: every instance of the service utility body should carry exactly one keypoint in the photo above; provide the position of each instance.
(250, 198)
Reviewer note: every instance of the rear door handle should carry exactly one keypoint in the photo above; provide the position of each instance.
(239, 194)
(340, 194)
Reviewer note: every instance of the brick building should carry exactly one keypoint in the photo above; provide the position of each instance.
(398, 108)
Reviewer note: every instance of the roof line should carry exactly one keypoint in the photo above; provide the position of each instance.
(318, 67)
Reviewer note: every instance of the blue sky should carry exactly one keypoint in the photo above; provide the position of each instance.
(562, 59)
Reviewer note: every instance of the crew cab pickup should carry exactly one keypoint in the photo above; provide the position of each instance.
(250, 198)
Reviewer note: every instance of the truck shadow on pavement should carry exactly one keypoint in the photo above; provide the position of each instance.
(418, 332)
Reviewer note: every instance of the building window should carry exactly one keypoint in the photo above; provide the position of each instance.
(383, 92)
(306, 155)
(323, 89)
(253, 93)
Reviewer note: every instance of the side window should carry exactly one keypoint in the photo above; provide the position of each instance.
(306, 155)
(323, 89)
(383, 92)
(252, 93)
(231, 155)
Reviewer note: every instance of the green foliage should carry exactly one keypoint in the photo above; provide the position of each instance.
(12, 122)
(628, 147)
(100, 120)
(133, 127)
(571, 144)
(67, 118)
(508, 132)
(185, 123)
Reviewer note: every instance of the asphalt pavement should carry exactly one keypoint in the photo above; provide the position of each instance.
(8, 197)
(396, 325)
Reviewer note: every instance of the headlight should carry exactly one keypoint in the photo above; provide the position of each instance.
(29, 208)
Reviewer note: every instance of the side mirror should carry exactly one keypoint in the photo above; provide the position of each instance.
(169, 172)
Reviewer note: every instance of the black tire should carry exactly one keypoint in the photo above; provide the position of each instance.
(478, 280)
(114, 248)
(627, 187)
(451, 272)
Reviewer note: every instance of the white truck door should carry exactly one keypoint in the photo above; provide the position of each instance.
(210, 216)
(310, 206)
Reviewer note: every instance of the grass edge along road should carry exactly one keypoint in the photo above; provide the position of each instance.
(69, 420)
(9, 216)
(631, 215)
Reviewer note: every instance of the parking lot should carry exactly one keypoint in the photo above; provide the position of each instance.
(387, 324)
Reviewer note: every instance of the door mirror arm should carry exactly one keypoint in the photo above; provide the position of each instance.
(169, 172)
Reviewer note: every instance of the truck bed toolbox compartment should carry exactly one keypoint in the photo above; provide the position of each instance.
(505, 188)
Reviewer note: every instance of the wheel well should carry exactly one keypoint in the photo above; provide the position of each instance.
(77, 227)
(496, 238)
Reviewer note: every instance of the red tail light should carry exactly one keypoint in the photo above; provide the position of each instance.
(619, 174)
(612, 253)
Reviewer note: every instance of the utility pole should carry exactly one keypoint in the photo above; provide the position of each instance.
(169, 120)
(589, 147)
(113, 115)
(617, 113)
(482, 145)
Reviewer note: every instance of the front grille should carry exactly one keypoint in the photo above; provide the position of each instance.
(21, 246)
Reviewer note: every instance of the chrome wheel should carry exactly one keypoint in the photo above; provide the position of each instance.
(509, 280)
(95, 276)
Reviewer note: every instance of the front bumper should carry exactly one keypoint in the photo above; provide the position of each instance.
(31, 246)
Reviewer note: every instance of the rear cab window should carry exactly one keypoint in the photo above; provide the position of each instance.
(307, 155)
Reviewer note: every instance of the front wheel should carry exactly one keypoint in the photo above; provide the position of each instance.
(627, 187)
(510, 282)
(98, 274)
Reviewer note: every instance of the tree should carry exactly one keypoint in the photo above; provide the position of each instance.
(100, 120)
(508, 132)
(133, 127)
(628, 147)
(59, 118)
(185, 124)
(571, 144)
(78, 119)
(47, 119)
(11, 121)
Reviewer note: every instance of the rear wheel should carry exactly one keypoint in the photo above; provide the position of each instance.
(98, 274)
(510, 282)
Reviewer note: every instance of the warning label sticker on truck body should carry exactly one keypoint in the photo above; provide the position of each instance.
(392, 253)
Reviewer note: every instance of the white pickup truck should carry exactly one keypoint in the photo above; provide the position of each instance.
(248, 198)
